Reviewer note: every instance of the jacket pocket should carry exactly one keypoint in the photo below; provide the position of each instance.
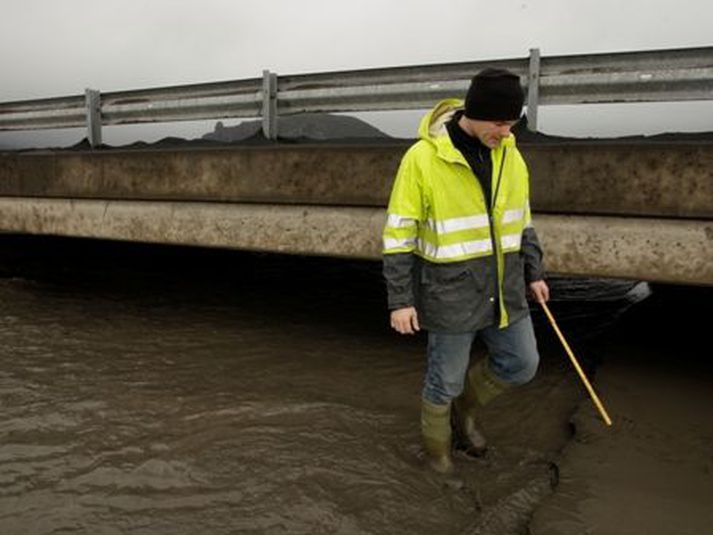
(449, 293)
(446, 276)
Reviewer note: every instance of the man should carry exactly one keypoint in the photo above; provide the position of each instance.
(460, 253)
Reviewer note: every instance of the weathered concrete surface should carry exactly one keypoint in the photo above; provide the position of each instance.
(664, 250)
(310, 230)
(654, 180)
(679, 251)
(650, 179)
(357, 176)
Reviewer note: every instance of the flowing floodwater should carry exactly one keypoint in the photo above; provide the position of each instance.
(154, 391)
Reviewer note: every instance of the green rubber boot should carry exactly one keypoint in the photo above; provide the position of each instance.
(481, 387)
(436, 432)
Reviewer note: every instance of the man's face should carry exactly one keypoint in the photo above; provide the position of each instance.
(491, 133)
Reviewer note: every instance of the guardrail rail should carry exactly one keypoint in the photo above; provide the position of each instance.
(648, 76)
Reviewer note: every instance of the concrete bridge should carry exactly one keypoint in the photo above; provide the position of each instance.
(617, 209)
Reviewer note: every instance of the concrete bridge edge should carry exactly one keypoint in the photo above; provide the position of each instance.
(663, 250)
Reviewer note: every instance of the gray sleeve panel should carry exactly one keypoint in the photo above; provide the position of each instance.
(398, 271)
(532, 254)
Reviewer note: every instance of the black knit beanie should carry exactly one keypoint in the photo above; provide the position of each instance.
(494, 95)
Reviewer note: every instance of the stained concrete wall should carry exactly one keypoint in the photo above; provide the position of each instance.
(655, 180)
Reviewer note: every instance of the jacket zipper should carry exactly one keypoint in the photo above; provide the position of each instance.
(491, 208)
(500, 174)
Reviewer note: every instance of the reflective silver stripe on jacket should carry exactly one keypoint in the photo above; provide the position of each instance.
(457, 223)
(455, 250)
(513, 215)
(399, 221)
(511, 240)
(527, 208)
(394, 243)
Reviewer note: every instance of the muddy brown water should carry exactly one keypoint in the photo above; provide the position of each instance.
(209, 392)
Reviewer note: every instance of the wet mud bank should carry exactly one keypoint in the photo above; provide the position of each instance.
(167, 390)
(652, 472)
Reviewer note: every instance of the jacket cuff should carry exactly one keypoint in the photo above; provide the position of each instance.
(534, 273)
(398, 273)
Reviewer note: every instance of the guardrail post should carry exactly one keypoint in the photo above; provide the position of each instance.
(533, 89)
(92, 99)
(269, 104)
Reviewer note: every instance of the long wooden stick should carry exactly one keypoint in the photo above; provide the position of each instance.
(582, 376)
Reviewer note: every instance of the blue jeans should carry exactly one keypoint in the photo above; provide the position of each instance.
(513, 358)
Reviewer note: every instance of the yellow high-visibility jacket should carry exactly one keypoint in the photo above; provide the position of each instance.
(461, 266)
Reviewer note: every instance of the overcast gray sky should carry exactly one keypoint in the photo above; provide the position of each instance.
(52, 48)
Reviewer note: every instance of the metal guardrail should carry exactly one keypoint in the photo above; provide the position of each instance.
(660, 75)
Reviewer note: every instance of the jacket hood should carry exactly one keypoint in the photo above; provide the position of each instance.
(432, 128)
(433, 124)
